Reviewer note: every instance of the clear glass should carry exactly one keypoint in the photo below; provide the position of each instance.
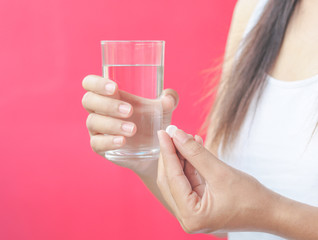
(137, 67)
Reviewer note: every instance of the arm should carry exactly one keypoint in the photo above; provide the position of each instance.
(149, 178)
(293, 220)
(228, 199)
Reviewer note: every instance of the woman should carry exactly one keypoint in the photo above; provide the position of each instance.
(262, 128)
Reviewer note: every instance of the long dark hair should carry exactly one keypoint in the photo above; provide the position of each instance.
(246, 79)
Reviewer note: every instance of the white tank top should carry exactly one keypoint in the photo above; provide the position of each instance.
(277, 147)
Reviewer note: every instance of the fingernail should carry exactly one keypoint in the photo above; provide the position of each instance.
(181, 136)
(171, 99)
(110, 88)
(118, 140)
(127, 127)
(124, 108)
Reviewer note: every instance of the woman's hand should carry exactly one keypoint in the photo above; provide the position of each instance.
(112, 113)
(217, 198)
(220, 198)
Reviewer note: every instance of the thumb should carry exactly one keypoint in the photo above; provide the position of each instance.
(169, 100)
(194, 152)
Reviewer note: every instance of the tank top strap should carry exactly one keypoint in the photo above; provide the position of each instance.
(252, 22)
(255, 16)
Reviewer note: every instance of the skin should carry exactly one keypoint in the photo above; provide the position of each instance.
(220, 198)
(105, 118)
(297, 58)
(188, 179)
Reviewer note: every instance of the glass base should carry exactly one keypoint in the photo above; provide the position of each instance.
(124, 154)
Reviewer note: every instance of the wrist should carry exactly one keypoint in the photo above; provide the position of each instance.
(293, 219)
(263, 212)
(143, 168)
(146, 169)
(273, 212)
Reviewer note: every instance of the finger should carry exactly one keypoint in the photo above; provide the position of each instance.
(106, 106)
(164, 187)
(201, 159)
(99, 124)
(142, 104)
(100, 86)
(196, 181)
(165, 190)
(101, 143)
(181, 158)
(199, 140)
(169, 100)
(179, 185)
(194, 178)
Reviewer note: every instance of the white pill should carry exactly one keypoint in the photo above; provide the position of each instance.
(171, 129)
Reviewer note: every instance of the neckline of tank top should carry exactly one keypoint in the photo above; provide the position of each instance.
(293, 84)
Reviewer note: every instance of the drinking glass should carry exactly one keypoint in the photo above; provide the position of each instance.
(137, 68)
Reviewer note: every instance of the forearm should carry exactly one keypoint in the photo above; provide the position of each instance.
(275, 214)
(149, 178)
(295, 220)
(284, 217)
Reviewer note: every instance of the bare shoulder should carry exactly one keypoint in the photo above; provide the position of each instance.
(242, 13)
(245, 8)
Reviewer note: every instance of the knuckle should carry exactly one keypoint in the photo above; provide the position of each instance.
(186, 227)
(160, 181)
(86, 81)
(104, 105)
(86, 99)
(191, 226)
(100, 144)
(90, 120)
(195, 149)
(186, 230)
(109, 106)
(94, 144)
(95, 85)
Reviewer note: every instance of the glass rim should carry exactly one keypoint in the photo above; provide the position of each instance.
(126, 41)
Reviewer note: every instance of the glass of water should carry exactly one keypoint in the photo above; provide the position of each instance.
(137, 68)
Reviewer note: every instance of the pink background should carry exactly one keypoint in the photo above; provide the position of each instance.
(52, 185)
